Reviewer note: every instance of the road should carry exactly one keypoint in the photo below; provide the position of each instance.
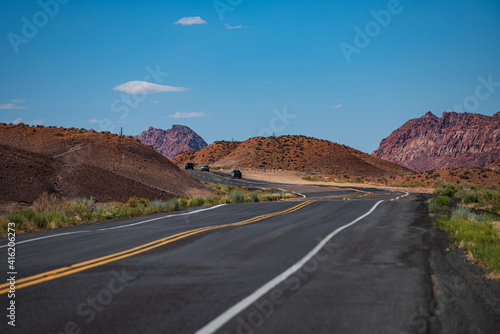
(341, 260)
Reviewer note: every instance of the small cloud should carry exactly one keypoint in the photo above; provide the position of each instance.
(187, 21)
(11, 106)
(36, 121)
(17, 121)
(155, 101)
(93, 120)
(233, 27)
(18, 100)
(337, 106)
(121, 122)
(187, 114)
(142, 87)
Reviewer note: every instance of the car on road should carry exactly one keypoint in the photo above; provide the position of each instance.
(205, 168)
(236, 173)
(189, 165)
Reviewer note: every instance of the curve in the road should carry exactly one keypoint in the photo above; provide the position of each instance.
(65, 271)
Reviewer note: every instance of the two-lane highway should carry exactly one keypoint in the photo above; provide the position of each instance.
(319, 264)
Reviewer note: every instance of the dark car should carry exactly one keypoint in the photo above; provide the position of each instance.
(236, 173)
(205, 168)
(189, 165)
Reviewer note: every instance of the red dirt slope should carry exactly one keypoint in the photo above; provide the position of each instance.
(295, 153)
(77, 162)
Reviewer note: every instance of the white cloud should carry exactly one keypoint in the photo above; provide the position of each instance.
(143, 87)
(187, 21)
(17, 121)
(93, 120)
(233, 27)
(36, 121)
(10, 106)
(18, 100)
(337, 106)
(187, 114)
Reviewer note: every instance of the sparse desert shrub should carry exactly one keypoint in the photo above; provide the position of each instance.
(470, 198)
(254, 197)
(443, 200)
(46, 203)
(236, 196)
(58, 219)
(197, 201)
(158, 206)
(214, 200)
(136, 202)
(89, 203)
(446, 189)
(183, 202)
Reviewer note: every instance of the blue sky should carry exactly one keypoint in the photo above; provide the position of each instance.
(347, 71)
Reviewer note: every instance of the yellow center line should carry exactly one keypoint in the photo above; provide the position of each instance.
(364, 193)
(53, 274)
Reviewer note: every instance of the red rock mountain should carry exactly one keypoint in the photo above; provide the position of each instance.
(454, 140)
(170, 142)
(293, 153)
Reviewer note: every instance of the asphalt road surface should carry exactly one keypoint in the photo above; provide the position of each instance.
(340, 260)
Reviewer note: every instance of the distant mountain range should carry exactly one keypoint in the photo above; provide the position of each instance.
(454, 140)
(294, 153)
(178, 138)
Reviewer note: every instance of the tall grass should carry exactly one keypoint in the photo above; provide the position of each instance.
(475, 234)
(51, 211)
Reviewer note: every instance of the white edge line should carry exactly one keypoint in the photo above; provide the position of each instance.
(222, 319)
(163, 217)
(304, 196)
(112, 228)
(47, 236)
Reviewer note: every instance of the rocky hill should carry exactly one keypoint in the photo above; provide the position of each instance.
(178, 138)
(294, 153)
(454, 140)
(81, 163)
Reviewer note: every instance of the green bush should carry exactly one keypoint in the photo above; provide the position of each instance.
(214, 200)
(173, 204)
(197, 201)
(41, 221)
(446, 189)
(254, 197)
(183, 202)
(158, 206)
(89, 203)
(16, 217)
(59, 219)
(136, 202)
(236, 196)
(443, 200)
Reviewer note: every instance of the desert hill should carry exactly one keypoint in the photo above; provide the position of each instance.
(207, 155)
(295, 153)
(178, 138)
(80, 163)
(454, 140)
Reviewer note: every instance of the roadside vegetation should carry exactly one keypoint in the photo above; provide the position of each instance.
(50, 211)
(474, 225)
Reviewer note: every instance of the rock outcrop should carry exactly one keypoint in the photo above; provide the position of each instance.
(454, 140)
(170, 142)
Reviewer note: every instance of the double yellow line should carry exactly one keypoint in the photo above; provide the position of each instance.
(363, 194)
(75, 268)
